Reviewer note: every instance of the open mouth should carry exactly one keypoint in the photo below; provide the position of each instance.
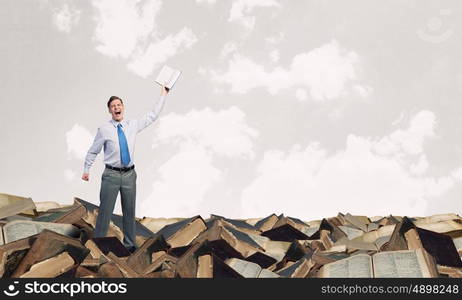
(117, 113)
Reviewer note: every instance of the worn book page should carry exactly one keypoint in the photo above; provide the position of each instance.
(309, 231)
(46, 206)
(185, 235)
(437, 218)
(358, 221)
(450, 271)
(267, 223)
(372, 226)
(372, 236)
(168, 76)
(352, 245)
(356, 266)
(265, 273)
(403, 263)
(11, 205)
(51, 267)
(156, 224)
(351, 232)
(19, 229)
(458, 243)
(245, 268)
(205, 266)
(259, 239)
(381, 241)
(276, 249)
(441, 227)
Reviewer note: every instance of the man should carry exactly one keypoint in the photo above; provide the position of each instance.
(118, 137)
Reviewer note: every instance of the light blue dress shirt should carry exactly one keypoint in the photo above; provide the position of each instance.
(107, 138)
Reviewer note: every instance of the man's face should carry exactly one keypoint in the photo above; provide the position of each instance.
(116, 109)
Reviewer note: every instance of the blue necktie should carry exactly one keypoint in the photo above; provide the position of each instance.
(124, 154)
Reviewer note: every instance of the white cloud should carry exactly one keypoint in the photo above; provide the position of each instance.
(275, 39)
(185, 179)
(202, 71)
(301, 94)
(244, 74)
(435, 187)
(206, 1)
(274, 56)
(78, 140)
(69, 175)
(228, 48)
(309, 183)
(122, 25)
(420, 167)
(362, 90)
(457, 174)
(223, 132)
(200, 138)
(128, 30)
(327, 72)
(143, 63)
(66, 17)
(409, 141)
(241, 11)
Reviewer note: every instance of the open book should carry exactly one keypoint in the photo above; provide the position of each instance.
(168, 76)
(403, 263)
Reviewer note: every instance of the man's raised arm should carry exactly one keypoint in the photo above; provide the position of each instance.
(151, 116)
(92, 153)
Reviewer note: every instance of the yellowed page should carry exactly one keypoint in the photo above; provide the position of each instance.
(403, 263)
(356, 266)
(20, 229)
(245, 268)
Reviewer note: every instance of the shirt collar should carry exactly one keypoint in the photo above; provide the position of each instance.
(115, 123)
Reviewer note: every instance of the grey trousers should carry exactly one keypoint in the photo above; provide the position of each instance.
(111, 183)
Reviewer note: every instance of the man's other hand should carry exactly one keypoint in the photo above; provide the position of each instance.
(86, 176)
(164, 91)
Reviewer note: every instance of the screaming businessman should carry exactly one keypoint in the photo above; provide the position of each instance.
(117, 137)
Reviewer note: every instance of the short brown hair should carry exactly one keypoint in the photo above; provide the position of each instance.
(112, 99)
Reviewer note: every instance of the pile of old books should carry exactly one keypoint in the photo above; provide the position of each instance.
(45, 239)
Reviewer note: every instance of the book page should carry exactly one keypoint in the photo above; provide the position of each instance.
(309, 231)
(437, 218)
(357, 221)
(267, 223)
(356, 266)
(458, 243)
(185, 235)
(441, 227)
(396, 264)
(173, 78)
(168, 76)
(11, 205)
(351, 232)
(245, 268)
(372, 236)
(156, 224)
(259, 239)
(51, 267)
(16, 230)
(381, 241)
(354, 245)
(265, 273)
(204, 266)
(372, 226)
(276, 249)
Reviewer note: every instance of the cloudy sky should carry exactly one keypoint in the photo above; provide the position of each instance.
(307, 108)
